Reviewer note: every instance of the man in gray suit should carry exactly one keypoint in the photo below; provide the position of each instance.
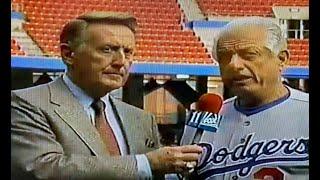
(72, 128)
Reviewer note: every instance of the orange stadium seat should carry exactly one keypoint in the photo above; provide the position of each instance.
(299, 50)
(159, 26)
(250, 7)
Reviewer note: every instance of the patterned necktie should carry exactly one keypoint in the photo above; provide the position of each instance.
(104, 128)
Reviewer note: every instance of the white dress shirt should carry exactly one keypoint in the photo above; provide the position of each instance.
(143, 165)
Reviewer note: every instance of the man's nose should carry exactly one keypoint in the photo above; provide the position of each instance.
(119, 57)
(236, 61)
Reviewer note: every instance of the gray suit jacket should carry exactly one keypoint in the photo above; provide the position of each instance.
(53, 138)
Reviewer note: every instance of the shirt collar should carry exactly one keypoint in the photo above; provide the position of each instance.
(105, 99)
(254, 110)
(84, 99)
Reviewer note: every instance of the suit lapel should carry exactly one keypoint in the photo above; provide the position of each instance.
(132, 131)
(71, 111)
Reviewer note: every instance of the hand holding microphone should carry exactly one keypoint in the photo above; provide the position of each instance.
(183, 159)
(204, 118)
(173, 159)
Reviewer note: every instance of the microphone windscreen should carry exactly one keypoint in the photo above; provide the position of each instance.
(205, 118)
(210, 102)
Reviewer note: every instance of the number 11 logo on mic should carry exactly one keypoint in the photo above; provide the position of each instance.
(204, 120)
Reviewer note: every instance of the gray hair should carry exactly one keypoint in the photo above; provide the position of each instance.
(275, 39)
(73, 32)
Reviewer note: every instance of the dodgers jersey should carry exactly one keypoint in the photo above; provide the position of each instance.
(276, 134)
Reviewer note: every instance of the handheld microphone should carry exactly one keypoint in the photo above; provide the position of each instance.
(204, 118)
(210, 102)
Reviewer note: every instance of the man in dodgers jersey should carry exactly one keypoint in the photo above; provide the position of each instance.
(265, 126)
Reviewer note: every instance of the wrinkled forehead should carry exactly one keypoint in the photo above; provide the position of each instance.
(117, 34)
(241, 37)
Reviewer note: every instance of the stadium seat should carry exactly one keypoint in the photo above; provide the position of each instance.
(299, 50)
(251, 7)
(159, 25)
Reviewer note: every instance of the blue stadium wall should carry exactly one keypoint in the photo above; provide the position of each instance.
(44, 64)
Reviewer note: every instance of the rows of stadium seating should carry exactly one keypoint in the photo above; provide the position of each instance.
(245, 7)
(159, 25)
(299, 52)
(160, 37)
(16, 49)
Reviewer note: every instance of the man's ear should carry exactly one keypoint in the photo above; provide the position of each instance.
(67, 54)
(283, 56)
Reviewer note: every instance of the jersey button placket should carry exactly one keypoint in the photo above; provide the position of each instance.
(246, 123)
(235, 177)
